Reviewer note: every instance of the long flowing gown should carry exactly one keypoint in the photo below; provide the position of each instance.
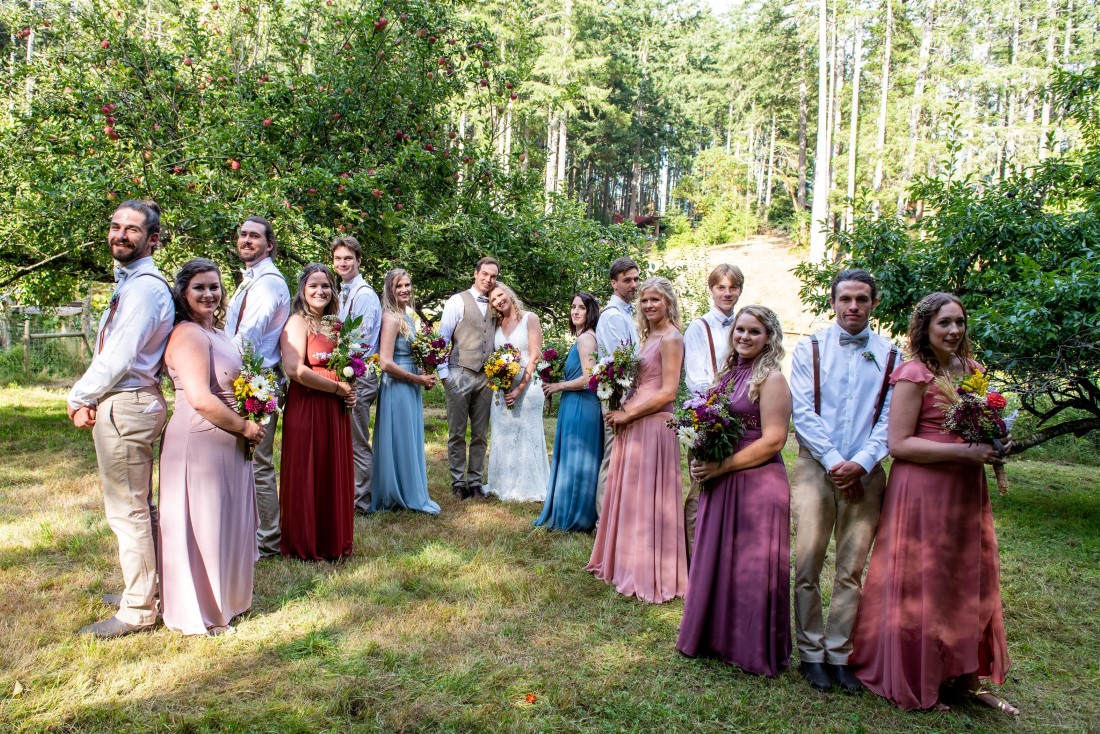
(640, 546)
(317, 485)
(931, 607)
(738, 603)
(578, 451)
(518, 469)
(207, 508)
(400, 478)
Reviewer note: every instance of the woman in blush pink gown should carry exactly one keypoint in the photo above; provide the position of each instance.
(207, 496)
(640, 547)
(930, 619)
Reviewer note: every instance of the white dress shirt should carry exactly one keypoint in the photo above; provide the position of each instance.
(850, 384)
(616, 325)
(133, 343)
(361, 300)
(698, 372)
(452, 315)
(265, 314)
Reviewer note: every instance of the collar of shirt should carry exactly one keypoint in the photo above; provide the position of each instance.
(354, 283)
(263, 266)
(836, 330)
(718, 318)
(620, 304)
(137, 266)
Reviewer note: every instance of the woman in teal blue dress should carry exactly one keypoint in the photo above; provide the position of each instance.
(400, 478)
(578, 442)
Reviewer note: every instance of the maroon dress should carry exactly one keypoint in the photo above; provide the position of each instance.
(737, 607)
(931, 607)
(317, 481)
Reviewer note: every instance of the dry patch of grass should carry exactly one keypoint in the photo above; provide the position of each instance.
(447, 623)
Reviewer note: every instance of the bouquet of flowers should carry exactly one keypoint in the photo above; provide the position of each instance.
(614, 375)
(706, 424)
(429, 350)
(502, 367)
(977, 413)
(348, 356)
(374, 364)
(256, 390)
(551, 368)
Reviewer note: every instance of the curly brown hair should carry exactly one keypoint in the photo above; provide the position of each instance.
(923, 314)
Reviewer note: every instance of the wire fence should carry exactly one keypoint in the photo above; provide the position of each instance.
(46, 343)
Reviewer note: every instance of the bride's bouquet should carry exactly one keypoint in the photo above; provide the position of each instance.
(706, 424)
(348, 356)
(977, 413)
(256, 390)
(502, 367)
(429, 350)
(614, 375)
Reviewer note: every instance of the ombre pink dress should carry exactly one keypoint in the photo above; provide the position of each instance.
(207, 508)
(931, 607)
(640, 546)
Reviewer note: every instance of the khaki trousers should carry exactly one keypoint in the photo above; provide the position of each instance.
(819, 511)
(608, 442)
(127, 426)
(366, 389)
(268, 534)
(469, 401)
(691, 510)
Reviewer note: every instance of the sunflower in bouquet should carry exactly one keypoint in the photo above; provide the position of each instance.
(256, 390)
(502, 367)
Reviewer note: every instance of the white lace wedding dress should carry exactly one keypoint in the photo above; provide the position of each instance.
(518, 469)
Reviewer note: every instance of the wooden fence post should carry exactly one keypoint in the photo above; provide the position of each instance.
(26, 345)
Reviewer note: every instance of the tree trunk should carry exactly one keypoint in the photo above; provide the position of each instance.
(771, 172)
(550, 176)
(915, 110)
(819, 211)
(802, 112)
(853, 124)
(880, 140)
(559, 185)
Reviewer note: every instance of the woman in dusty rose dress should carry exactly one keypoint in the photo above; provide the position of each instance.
(317, 486)
(738, 602)
(207, 496)
(640, 547)
(930, 621)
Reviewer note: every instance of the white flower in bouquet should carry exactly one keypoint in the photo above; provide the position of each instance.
(508, 358)
(688, 436)
(260, 387)
(603, 392)
(624, 383)
(266, 420)
(543, 365)
(349, 372)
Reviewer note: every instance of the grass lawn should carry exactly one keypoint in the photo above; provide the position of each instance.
(448, 623)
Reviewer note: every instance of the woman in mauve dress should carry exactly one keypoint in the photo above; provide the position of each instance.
(640, 547)
(739, 590)
(207, 496)
(316, 484)
(930, 622)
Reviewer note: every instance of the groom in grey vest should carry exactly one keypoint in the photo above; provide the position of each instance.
(467, 324)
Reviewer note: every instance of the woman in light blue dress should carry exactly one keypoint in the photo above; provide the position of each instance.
(578, 442)
(400, 478)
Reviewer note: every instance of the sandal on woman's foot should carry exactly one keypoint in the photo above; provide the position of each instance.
(986, 697)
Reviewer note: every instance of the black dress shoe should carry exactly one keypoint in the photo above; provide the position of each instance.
(476, 490)
(458, 489)
(817, 676)
(844, 677)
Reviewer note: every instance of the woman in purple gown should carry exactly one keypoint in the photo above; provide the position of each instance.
(207, 496)
(737, 607)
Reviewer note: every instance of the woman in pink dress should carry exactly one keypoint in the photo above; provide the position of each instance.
(316, 483)
(207, 497)
(930, 620)
(738, 606)
(640, 547)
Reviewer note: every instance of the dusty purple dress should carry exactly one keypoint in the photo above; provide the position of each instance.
(738, 603)
(207, 508)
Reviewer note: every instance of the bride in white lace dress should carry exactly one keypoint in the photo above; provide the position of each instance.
(518, 468)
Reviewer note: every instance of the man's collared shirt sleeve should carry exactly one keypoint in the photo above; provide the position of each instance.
(448, 322)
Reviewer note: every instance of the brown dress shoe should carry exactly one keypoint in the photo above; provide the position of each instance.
(114, 627)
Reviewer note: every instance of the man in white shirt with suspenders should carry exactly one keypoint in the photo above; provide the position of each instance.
(706, 346)
(615, 326)
(119, 398)
(256, 315)
(840, 384)
(357, 298)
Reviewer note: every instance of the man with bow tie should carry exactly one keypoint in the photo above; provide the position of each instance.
(467, 324)
(840, 383)
(706, 346)
(119, 398)
(615, 327)
(357, 298)
(256, 315)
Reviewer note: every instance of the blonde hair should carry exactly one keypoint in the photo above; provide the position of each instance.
(663, 286)
(725, 270)
(516, 303)
(389, 300)
(770, 357)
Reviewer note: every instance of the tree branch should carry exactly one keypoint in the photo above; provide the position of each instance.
(41, 264)
(1078, 427)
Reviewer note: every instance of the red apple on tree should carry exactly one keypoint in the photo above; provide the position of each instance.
(380, 24)
(105, 44)
(234, 164)
(267, 122)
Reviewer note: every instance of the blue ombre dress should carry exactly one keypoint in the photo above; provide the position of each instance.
(400, 478)
(578, 450)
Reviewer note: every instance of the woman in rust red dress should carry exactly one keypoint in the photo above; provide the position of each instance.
(930, 621)
(317, 492)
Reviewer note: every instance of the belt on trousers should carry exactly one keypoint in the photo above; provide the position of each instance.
(148, 390)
